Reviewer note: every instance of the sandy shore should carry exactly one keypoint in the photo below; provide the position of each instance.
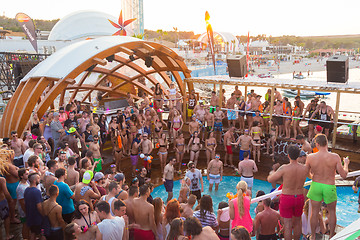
(307, 64)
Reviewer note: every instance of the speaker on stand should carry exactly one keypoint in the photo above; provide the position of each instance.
(337, 69)
(237, 66)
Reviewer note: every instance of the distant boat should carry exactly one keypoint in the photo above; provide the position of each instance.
(304, 93)
(298, 76)
(265, 75)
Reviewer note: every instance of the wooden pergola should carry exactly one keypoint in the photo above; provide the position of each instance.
(274, 83)
(117, 60)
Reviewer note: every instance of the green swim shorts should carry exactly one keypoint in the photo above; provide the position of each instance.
(212, 109)
(321, 191)
(98, 166)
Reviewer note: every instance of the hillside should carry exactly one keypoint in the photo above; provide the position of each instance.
(11, 24)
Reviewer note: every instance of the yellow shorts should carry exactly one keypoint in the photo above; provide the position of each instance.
(190, 112)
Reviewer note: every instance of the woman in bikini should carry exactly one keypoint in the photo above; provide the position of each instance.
(158, 127)
(256, 134)
(194, 147)
(158, 97)
(296, 119)
(85, 218)
(176, 124)
(266, 115)
(274, 130)
(132, 123)
(118, 148)
(288, 113)
(210, 145)
(179, 149)
(163, 151)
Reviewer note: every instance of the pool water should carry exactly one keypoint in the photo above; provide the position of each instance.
(346, 206)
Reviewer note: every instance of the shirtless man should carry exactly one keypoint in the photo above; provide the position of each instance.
(325, 113)
(244, 142)
(194, 125)
(19, 148)
(323, 165)
(134, 152)
(49, 177)
(259, 119)
(87, 189)
(130, 100)
(292, 199)
(133, 193)
(210, 120)
(237, 93)
(146, 146)
(231, 114)
(53, 211)
(278, 120)
(214, 102)
(256, 103)
(266, 222)
(72, 175)
(277, 95)
(228, 140)
(144, 216)
(94, 147)
(218, 125)
(148, 122)
(188, 207)
(306, 147)
(215, 172)
(310, 108)
(168, 178)
(246, 170)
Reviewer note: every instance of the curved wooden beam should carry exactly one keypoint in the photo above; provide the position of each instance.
(30, 102)
(52, 94)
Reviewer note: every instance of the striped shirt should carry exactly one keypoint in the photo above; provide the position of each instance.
(209, 219)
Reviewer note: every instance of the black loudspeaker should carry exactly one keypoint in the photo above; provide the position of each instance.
(237, 66)
(337, 69)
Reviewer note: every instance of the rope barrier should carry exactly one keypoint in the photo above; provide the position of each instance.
(301, 118)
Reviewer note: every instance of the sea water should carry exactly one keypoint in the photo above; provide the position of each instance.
(346, 206)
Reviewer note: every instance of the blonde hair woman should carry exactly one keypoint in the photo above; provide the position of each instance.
(240, 208)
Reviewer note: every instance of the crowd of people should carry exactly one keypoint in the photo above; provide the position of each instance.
(54, 180)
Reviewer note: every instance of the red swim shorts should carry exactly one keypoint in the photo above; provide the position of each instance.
(291, 205)
(140, 234)
(229, 149)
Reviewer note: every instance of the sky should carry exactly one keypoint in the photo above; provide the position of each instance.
(271, 17)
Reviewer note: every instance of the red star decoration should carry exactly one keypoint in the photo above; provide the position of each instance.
(122, 24)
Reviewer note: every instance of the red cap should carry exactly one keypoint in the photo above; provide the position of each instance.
(318, 128)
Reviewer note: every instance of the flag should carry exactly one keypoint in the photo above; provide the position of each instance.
(210, 35)
(28, 27)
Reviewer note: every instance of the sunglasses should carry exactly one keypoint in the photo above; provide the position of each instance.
(62, 152)
(112, 165)
(192, 167)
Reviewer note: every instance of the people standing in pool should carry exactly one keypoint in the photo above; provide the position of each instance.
(215, 172)
(323, 165)
(168, 178)
(210, 145)
(355, 187)
(246, 170)
(293, 176)
(163, 151)
(194, 147)
(180, 148)
(197, 185)
(239, 208)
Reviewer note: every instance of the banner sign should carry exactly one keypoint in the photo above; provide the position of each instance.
(28, 27)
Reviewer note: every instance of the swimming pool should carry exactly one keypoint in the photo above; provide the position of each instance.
(346, 206)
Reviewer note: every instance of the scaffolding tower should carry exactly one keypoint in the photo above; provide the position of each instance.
(134, 9)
